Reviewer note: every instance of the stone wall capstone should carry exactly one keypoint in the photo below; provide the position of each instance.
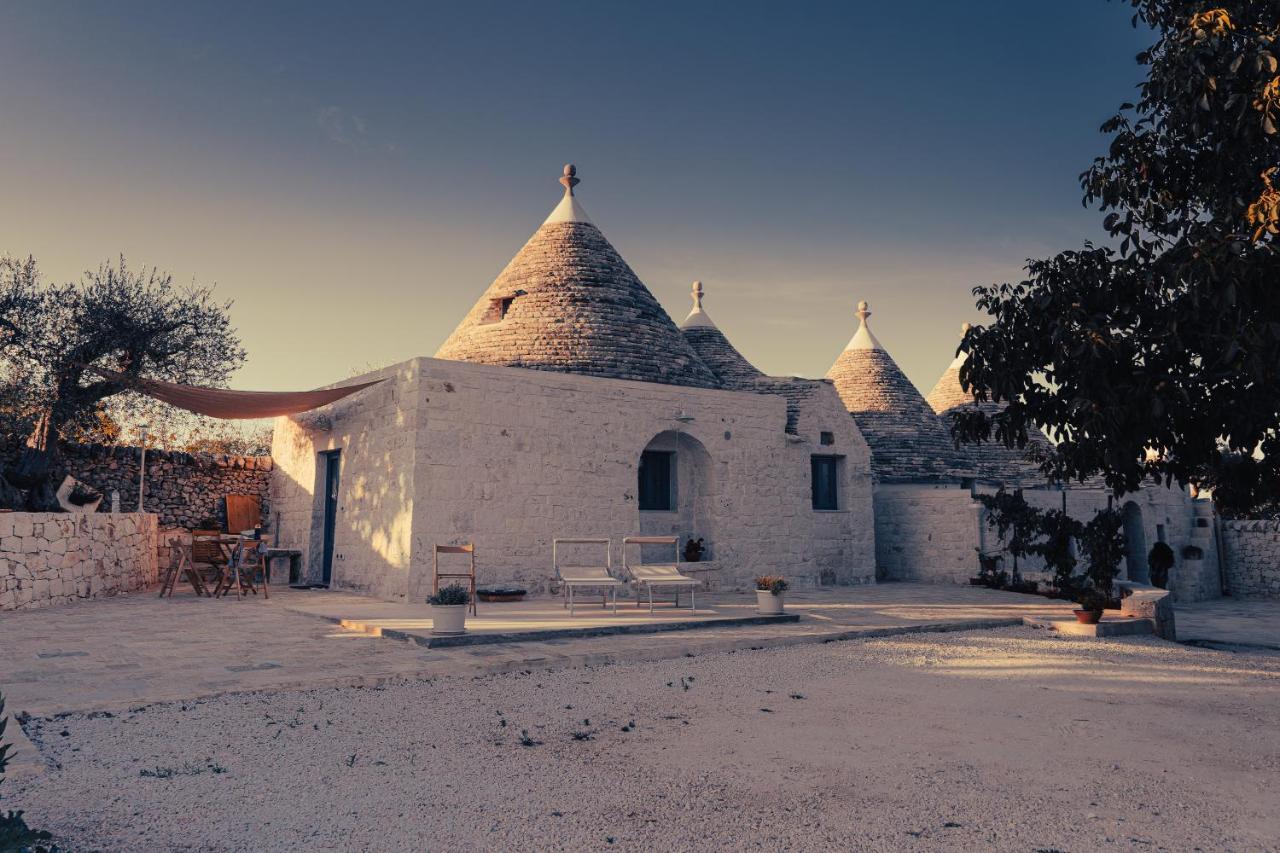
(51, 558)
(183, 489)
(1251, 551)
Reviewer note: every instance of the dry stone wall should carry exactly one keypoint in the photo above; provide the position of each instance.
(1251, 551)
(183, 489)
(57, 558)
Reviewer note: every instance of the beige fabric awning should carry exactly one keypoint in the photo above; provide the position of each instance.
(234, 405)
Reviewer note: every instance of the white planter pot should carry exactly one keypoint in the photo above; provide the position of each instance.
(448, 618)
(769, 604)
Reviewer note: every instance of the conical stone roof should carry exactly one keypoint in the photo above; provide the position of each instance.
(711, 345)
(908, 441)
(992, 461)
(568, 302)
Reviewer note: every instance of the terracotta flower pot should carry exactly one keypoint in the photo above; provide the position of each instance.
(1088, 617)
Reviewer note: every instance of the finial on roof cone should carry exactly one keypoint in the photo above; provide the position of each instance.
(568, 210)
(697, 317)
(863, 339)
(570, 179)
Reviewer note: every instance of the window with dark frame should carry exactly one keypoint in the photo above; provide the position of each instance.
(826, 478)
(656, 492)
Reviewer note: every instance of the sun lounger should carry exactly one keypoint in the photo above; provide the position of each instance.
(593, 576)
(659, 574)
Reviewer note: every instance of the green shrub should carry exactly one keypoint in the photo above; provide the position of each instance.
(1160, 561)
(451, 595)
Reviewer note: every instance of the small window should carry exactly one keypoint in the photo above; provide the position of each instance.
(826, 479)
(656, 492)
(826, 439)
(498, 309)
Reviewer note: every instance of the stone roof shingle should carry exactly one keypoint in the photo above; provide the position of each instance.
(568, 302)
(907, 438)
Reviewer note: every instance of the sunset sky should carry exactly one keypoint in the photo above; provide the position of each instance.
(354, 175)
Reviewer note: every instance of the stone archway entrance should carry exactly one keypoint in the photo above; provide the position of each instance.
(1135, 544)
(676, 488)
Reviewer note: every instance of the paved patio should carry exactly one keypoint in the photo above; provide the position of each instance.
(128, 651)
(1247, 624)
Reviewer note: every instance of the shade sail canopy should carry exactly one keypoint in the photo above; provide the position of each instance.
(234, 405)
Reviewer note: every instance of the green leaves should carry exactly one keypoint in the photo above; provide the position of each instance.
(1168, 339)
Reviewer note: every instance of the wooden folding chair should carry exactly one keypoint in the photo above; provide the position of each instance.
(246, 569)
(209, 559)
(180, 565)
(470, 577)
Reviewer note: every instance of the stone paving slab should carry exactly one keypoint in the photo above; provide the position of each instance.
(1247, 623)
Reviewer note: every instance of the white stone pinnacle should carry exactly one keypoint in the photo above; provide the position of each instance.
(863, 339)
(697, 317)
(568, 210)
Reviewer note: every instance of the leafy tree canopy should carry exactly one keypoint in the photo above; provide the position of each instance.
(1157, 356)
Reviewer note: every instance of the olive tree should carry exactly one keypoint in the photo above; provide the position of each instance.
(52, 336)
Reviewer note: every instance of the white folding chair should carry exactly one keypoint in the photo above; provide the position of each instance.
(592, 576)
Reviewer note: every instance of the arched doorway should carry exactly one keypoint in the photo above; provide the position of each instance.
(676, 488)
(1135, 545)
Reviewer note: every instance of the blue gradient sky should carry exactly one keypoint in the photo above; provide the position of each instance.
(354, 175)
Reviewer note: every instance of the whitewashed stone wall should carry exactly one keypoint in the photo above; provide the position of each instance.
(1251, 551)
(56, 558)
(450, 451)
(926, 533)
(931, 533)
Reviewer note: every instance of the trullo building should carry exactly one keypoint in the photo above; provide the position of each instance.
(568, 403)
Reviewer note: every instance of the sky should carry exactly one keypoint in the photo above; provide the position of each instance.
(354, 175)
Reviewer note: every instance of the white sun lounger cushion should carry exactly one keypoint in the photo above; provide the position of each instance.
(587, 575)
(660, 575)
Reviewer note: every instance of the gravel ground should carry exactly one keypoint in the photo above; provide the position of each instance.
(1011, 740)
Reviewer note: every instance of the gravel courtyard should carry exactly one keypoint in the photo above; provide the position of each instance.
(1010, 739)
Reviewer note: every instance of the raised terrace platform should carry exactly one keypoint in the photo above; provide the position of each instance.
(525, 621)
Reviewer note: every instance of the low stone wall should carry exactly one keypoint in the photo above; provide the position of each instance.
(183, 489)
(55, 558)
(1251, 551)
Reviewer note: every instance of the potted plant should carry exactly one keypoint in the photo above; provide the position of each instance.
(1160, 561)
(770, 590)
(449, 609)
(693, 550)
(1091, 603)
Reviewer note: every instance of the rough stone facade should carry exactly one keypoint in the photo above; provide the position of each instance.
(1251, 551)
(449, 452)
(932, 533)
(183, 489)
(56, 558)
(926, 533)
